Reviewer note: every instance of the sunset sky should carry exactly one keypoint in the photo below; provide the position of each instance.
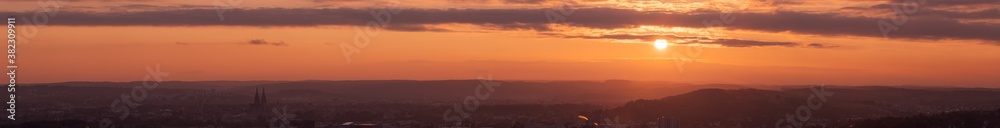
(941, 42)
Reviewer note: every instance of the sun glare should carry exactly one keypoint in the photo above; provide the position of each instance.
(660, 44)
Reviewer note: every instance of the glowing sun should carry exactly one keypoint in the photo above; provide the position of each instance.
(660, 44)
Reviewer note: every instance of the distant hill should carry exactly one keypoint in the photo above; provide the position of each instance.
(609, 93)
(956, 119)
(754, 107)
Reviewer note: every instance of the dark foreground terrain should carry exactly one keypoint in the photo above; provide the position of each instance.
(468, 103)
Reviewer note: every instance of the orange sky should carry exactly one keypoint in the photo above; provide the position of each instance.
(115, 41)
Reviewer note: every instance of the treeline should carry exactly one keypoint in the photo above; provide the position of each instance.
(956, 119)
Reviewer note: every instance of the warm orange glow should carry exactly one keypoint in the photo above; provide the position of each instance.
(661, 44)
(458, 48)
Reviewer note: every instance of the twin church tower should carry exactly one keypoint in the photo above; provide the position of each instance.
(259, 99)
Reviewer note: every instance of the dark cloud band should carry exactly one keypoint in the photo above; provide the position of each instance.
(534, 19)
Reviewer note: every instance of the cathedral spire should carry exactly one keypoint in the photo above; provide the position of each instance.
(256, 96)
(263, 95)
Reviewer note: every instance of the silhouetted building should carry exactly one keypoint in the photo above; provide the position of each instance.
(359, 125)
(303, 123)
(667, 123)
(259, 107)
(259, 99)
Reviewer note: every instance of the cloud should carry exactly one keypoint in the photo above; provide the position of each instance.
(815, 45)
(504, 1)
(937, 3)
(750, 43)
(825, 24)
(526, 1)
(924, 10)
(700, 40)
(262, 42)
(416, 28)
